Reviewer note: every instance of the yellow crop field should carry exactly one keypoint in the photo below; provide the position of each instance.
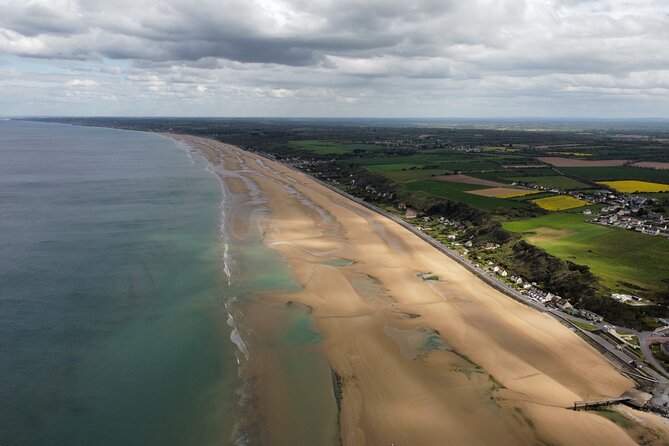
(559, 203)
(629, 186)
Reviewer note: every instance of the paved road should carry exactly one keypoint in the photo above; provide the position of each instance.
(645, 339)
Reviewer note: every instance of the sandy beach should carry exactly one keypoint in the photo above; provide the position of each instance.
(421, 362)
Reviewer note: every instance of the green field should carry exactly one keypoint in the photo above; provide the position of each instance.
(618, 173)
(415, 160)
(331, 148)
(624, 260)
(505, 176)
(405, 176)
(457, 192)
(552, 182)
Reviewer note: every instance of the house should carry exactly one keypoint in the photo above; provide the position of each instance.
(624, 298)
(450, 238)
(410, 213)
(562, 304)
(587, 212)
(468, 244)
(589, 315)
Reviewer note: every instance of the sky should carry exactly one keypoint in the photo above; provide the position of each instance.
(335, 58)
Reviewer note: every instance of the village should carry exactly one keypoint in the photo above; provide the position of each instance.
(631, 212)
(624, 211)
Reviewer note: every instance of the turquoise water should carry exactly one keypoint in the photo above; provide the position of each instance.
(118, 322)
(112, 318)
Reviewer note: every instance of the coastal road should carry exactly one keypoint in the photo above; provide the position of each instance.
(645, 339)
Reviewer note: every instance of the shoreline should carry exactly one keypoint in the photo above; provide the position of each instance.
(421, 363)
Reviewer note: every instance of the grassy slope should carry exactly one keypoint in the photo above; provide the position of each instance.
(613, 254)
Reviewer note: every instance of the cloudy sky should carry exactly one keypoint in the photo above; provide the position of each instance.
(418, 58)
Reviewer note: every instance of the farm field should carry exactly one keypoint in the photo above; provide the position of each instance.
(624, 260)
(331, 148)
(559, 203)
(539, 194)
(652, 165)
(552, 182)
(416, 160)
(458, 192)
(631, 186)
(619, 173)
(446, 163)
(507, 175)
(466, 179)
(406, 175)
(571, 162)
(502, 192)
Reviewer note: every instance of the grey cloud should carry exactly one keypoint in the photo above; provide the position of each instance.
(348, 52)
(35, 19)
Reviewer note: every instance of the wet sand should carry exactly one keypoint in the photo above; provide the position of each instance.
(420, 362)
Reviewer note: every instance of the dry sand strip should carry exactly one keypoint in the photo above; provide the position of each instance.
(425, 362)
(571, 162)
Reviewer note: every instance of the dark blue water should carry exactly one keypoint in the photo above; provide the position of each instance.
(112, 327)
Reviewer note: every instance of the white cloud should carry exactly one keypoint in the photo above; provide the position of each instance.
(379, 57)
(82, 83)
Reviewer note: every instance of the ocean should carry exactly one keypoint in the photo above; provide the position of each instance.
(130, 314)
(112, 291)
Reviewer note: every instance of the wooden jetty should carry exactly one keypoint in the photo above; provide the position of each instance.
(596, 403)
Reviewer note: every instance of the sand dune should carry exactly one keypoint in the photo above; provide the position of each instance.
(448, 362)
